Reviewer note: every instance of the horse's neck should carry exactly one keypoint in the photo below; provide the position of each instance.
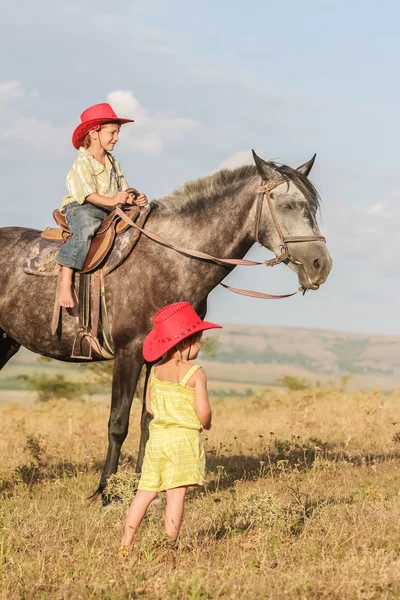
(223, 227)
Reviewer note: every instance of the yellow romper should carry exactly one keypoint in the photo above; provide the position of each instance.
(174, 452)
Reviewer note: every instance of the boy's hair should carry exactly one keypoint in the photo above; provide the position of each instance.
(86, 139)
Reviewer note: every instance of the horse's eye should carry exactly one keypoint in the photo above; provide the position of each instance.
(287, 206)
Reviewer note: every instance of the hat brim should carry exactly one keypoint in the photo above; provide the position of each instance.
(83, 128)
(154, 348)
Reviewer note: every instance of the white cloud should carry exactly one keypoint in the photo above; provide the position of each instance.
(9, 90)
(238, 159)
(153, 42)
(151, 133)
(13, 89)
(368, 235)
(376, 209)
(39, 135)
(21, 132)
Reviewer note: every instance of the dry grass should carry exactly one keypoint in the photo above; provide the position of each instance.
(302, 502)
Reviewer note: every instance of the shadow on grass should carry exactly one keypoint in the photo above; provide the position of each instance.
(281, 456)
(224, 466)
(41, 467)
(290, 519)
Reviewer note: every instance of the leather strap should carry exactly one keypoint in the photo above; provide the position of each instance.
(259, 295)
(264, 191)
(57, 308)
(197, 254)
(95, 303)
(192, 253)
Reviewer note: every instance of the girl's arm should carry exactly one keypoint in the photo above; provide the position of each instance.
(201, 401)
(148, 400)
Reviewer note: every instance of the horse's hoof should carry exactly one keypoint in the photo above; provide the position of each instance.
(106, 508)
(157, 506)
(110, 501)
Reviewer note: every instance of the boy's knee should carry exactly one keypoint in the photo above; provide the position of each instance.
(87, 230)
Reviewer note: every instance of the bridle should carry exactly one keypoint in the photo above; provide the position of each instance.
(264, 191)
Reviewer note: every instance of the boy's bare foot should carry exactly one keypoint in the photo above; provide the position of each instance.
(65, 291)
(65, 296)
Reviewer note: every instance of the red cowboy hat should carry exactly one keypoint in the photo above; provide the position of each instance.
(92, 118)
(172, 324)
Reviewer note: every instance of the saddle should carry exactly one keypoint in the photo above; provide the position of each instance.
(104, 238)
(112, 244)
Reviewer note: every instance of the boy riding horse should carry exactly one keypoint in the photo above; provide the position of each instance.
(96, 184)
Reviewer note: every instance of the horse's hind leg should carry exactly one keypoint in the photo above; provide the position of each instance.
(8, 347)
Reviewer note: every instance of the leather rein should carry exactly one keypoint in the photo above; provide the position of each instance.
(264, 191)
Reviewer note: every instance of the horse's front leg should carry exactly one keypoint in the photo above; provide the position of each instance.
(127, 365)
(144, 425)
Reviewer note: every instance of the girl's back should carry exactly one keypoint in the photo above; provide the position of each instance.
(173, 371)
(172, 397)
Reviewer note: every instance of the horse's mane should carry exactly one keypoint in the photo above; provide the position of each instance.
(200, 190)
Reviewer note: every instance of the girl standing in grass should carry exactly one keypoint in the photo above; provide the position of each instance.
(178, 401)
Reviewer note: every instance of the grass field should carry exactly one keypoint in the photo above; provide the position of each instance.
(302, 501)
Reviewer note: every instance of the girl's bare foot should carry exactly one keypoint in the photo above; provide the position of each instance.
(124, 551)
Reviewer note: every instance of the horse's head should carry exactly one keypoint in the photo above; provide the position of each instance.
(287, 221)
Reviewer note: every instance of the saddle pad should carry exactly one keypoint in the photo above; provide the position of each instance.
(40, 259)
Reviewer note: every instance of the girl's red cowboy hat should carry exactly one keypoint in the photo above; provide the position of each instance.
(92, 118)
(172, 324)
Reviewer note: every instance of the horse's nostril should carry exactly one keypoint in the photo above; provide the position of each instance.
(317, 264)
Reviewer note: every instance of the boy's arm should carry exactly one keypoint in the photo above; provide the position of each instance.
(119, 198)
(201, 401)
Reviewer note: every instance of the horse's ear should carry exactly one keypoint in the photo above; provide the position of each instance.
(306, 168)
(265, 170)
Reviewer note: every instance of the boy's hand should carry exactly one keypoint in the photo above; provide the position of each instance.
(141, 200)
(121, 198)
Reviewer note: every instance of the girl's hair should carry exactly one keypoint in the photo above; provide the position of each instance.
(176, 351)
(87, 140)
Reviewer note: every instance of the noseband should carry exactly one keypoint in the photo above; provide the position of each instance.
(264, 191)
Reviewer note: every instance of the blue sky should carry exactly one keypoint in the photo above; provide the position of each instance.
(206, 82)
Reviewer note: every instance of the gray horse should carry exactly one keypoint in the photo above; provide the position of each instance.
(217, 215)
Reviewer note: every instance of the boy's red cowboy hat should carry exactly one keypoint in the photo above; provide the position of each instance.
(172, 324)
(92, 118)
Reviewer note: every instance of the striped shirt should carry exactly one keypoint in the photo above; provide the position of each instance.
(87, 176)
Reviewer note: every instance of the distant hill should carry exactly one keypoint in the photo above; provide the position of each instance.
(255, 356)
(374, 360)
(325, 352)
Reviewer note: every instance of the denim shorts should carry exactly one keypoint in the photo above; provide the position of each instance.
(83, 221)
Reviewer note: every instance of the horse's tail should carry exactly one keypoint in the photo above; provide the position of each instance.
(96, 494)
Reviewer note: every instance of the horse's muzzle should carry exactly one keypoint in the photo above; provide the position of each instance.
(316, 264)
